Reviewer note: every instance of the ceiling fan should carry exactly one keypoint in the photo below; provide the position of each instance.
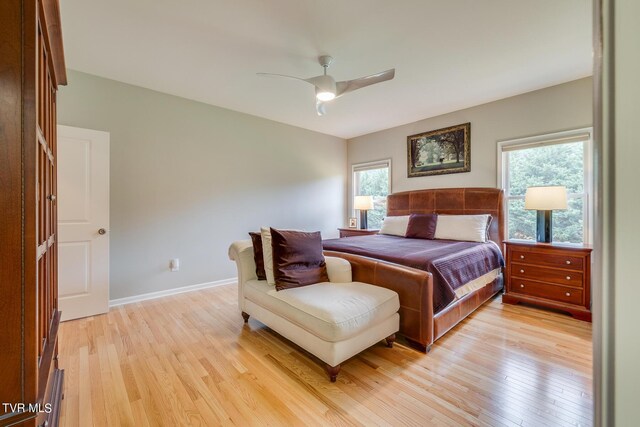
(328, 89)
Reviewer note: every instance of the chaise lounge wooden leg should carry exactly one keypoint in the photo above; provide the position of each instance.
(388, 341)
(333, 372)
(245, 316)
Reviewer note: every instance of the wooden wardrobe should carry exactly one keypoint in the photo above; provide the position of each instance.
(31, 70)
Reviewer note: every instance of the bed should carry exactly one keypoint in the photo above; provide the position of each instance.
(445, 281)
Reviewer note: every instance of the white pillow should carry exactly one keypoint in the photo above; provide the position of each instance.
(267, 254)
(469, 228)
(395, 225)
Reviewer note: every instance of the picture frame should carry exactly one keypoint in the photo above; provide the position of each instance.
(353, 222)
(439, 152)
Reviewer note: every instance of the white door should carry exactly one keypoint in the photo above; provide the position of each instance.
(83, 222)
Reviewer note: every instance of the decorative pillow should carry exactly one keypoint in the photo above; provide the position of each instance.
(470, 228)
(267, 254)
(258, 256)
(297, 258)
(395, 225)
(489, 221)
(422, 226)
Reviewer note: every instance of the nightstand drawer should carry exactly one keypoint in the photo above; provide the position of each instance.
(547, 291)
(546, 259)
(544, 274)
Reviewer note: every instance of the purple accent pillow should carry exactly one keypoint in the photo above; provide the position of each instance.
(258, 256)
(422, 226)
(297, 258)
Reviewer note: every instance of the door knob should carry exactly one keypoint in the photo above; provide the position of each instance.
(102, 231)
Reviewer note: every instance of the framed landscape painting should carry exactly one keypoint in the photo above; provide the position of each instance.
(439, 152)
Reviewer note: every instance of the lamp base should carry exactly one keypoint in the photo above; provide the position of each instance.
(544, 227)
(363, 219)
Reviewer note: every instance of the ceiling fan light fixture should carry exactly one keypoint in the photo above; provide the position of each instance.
(325, 88)
(323, 95)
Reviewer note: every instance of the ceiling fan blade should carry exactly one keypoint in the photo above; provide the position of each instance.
(320, 108)
(284, 76)
(351, 85)
(317, 80)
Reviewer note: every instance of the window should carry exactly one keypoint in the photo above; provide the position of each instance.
(373, 179)
(558, 159)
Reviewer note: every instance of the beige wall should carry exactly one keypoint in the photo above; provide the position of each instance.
(187, 179)
(562, 107)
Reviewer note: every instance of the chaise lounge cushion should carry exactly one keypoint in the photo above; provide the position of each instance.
(331, 311)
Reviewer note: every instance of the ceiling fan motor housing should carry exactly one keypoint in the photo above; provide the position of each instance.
(325, 87)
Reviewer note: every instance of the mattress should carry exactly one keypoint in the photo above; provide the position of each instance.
(457, 267)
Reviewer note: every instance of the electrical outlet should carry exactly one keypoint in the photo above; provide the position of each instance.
(174, 264)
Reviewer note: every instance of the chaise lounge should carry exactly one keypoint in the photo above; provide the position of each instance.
(332, 320)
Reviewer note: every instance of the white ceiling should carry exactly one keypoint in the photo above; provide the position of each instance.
(448, 54)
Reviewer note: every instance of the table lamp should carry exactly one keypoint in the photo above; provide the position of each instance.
(545, 200)
(363, 204)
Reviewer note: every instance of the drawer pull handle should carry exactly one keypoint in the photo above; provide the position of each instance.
(521, 285)
(521, 271)
(568, 262)
(568, 294)
(568, 277)
(521, 256)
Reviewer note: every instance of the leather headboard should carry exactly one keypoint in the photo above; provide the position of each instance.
(453, 201)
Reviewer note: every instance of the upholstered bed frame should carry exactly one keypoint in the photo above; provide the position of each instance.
(418, 323)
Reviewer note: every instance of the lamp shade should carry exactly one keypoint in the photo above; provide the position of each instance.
(363, 203)
(546, 198)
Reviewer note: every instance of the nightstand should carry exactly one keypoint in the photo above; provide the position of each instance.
(349, 232)
(549, 275)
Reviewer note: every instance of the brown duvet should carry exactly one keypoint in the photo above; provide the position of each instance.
(452, 263)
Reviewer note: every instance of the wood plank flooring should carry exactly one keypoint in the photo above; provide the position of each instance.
(190, 360)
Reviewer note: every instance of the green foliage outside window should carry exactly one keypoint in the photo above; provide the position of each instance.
(561, 164)
(374, 182)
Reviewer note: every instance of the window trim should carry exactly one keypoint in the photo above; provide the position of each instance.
(363, 166)
(575, 135)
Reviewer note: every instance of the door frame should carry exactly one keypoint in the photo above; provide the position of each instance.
(603, 282)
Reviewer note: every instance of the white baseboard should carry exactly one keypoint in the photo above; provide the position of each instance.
(174, 291)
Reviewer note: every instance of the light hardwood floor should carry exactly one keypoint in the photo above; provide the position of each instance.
(190, 360)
